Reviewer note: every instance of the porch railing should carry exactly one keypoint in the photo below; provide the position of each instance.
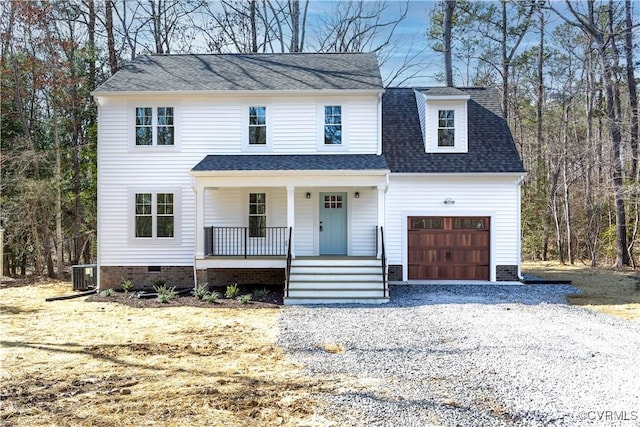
(243, 241)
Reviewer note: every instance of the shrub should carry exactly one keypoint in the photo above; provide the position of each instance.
(201, 290)
(165, 294)
(232, 290)
(107, 293)
(244, 299)
(127, 285)
(160, 282)
(211, 296)
(260, 294)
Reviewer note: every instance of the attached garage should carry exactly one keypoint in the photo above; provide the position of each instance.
(448, 248)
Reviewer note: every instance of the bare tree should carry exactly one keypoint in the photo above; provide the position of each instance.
(589, 24)
(449, 9)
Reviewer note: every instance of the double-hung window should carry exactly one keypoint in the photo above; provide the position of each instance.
(332, 125)
(155, 126)
(257, 125)
(446, 128)
(154, 215)
(257, 214)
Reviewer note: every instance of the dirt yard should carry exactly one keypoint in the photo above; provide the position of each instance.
(610, 291)
(76, 362)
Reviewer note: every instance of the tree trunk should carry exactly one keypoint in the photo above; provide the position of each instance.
(565, 179)
(111, 44)
(633, 93)
(540, 98)
(449, 8)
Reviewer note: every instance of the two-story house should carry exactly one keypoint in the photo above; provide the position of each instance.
(300, 169)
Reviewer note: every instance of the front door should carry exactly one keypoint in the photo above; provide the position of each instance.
(333, 223)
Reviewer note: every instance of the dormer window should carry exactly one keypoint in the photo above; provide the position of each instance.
(446, 128)
(443, 119)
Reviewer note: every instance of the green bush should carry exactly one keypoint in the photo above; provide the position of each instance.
(107, 293)
(211, 296)
(260, 294)
(127, 285)
(201, 290)
(232, 290)
(165, 294)
(244, 299)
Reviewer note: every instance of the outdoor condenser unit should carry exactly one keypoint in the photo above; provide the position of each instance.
(84, 276)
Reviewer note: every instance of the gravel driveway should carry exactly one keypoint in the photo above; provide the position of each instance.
(471, 356)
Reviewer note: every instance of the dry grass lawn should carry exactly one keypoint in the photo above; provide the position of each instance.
(607, 290)
(77, 363)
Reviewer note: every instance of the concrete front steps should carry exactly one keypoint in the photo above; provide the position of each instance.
(344, 280)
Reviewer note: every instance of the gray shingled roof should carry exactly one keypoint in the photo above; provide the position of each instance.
(299, 162)
(491, 146)
(285, 71)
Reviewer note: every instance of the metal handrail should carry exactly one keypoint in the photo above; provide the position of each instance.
(383, 255)
(286, 289)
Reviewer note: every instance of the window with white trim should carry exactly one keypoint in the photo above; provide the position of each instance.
(258, 125)
(446, 128)
(154, 215)
(155, 126)
(257, 214)
(332, 125)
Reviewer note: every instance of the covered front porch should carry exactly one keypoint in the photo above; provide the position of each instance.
(266, 219)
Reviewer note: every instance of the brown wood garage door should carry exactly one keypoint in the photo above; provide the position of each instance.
(454, 248)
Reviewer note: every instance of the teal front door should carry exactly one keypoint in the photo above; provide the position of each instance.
(333, 223)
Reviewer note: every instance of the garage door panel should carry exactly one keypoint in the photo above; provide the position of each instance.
(455, 248)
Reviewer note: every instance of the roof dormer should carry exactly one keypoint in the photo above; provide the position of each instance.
(443, 117)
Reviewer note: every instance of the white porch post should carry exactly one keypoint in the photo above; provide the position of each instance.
(291, 219)
(199, 221)
(382, 189)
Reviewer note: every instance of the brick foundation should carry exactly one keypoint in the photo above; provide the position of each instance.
(394, 273)
(507, 273)
(142, 278)
(246, 276)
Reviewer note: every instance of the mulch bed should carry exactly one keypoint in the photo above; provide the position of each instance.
(273, 300)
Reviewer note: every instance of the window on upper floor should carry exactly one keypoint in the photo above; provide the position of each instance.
(159, 119)
(257, 125)
(446, 128)
(333, 125)
(154, 215)
(257, 214)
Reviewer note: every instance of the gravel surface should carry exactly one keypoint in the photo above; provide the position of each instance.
(470, 356)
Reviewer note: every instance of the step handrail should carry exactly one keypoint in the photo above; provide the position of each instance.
(288, 275)
(383, 256)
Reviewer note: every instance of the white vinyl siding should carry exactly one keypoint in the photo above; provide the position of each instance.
(204, 125)
(363, 219)
(305, 225)
(496, 197)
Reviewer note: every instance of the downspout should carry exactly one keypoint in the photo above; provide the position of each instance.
(519, 249)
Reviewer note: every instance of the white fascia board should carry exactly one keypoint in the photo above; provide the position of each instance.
(240, 93)
(447, 97)
(278, 173)
(459, 174)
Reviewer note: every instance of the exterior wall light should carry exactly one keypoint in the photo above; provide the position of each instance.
(308, 195)
(357, 194)
(449, 201)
